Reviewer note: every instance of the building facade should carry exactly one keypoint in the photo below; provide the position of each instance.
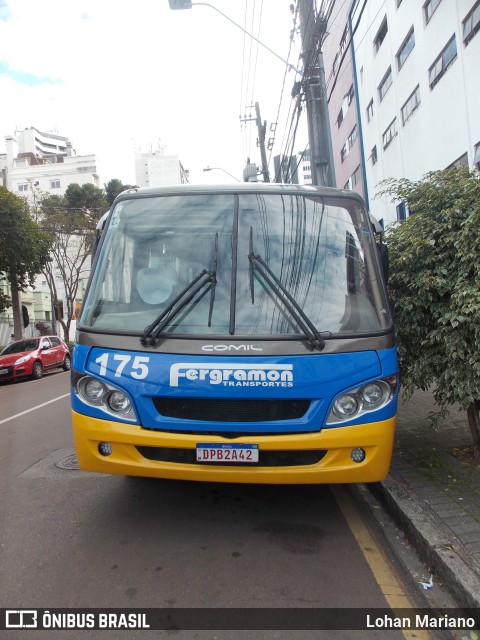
(305, 167)
(154, 169)
(342, 103)
(415, 76)
(286, 169)
(36, 164)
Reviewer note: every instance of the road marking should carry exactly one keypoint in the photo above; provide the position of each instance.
(385, 576)
(39, 406)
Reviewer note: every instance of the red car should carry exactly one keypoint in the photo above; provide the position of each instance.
(32, 356)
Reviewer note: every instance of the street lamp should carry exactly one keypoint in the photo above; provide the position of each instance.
(220, 169)
(188, 4)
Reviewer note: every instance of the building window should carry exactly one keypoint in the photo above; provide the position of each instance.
(429, 9)
(381, 33)
(385, 84)
(347, 101)
(471, 24)
(350, 95)
(407, 46)
(401, 211)
(411, 104)
(373, 155)
(462, 161)
(370, 110)
(356, 176)
(54, 184)
(340, 118)
(390, 133)
(335, 64)
(352, 137)
(443, 62)
(343, 152)
(23, 187)
(343, 41)
(476, 156)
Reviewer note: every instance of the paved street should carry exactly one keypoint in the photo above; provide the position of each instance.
(71, 539)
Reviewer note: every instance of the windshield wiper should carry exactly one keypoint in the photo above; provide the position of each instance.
(214, 281)
(314, 337)
(152, 332)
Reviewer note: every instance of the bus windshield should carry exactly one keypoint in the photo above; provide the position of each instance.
(265, 264)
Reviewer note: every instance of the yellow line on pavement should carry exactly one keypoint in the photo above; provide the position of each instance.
(382, 570)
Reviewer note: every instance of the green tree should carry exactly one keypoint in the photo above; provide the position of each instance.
(435, 288)
(113, 188)
(70, 220)
(86, 197)
(24, 250)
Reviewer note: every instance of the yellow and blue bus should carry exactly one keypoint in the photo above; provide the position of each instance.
(236, 334)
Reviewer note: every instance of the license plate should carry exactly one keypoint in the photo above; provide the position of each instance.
(227, 453)
(3, 372)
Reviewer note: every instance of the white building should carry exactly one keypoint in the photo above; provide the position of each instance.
(37, 162)
(155, 169)
(418, 89)
(305, 167)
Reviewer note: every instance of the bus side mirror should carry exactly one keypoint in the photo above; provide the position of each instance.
(98, 233)
(384, 259)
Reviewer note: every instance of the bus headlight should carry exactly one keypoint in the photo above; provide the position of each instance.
(345, 406)
(104, 396)
(357, 402)
(373, 394)
(94, 389)
(119, 402)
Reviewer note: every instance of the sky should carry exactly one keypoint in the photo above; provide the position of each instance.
(122, 77)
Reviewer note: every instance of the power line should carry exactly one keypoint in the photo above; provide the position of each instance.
(292, 33)
(310, 65)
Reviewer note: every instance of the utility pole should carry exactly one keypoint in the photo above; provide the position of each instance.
(261, 140)
(321, 153)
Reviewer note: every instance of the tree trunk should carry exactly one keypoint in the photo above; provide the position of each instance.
(16, 306)
(18, 329)
(473, 415)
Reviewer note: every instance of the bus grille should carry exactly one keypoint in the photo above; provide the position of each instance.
(214, 410)
(266, 458)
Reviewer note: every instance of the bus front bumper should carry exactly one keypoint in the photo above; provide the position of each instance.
(125, 444)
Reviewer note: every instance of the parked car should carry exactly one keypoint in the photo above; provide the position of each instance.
(32, 356)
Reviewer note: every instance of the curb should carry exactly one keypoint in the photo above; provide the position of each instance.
(435, 543)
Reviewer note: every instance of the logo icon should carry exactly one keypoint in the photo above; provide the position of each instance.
(21, 619)
(232, 374)
(231, 347)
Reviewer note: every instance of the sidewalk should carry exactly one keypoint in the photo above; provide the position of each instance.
(435, 495)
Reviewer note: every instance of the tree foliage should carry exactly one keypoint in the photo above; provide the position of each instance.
(70, 220)
(86, 197)
(59, 245)
(113, 188)
(24, 249)
(435, 288)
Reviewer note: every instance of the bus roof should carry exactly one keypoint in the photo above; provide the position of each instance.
(242, 187)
